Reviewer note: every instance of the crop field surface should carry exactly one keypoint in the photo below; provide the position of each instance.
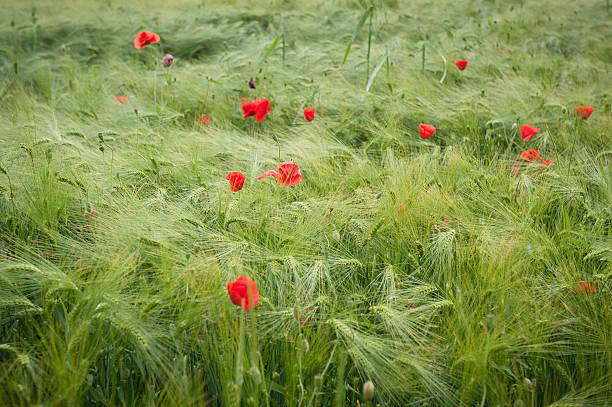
(289, 203)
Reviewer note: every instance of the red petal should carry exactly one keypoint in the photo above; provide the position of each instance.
(249, 109)
(530, 155)
(145, 38)
(461, 64)
(584, 111)
(527, 132)
(267, 174)
(309, 114)
(289, 174)
(262, 109)
(236, 180)
(426, 130)
(515, 169)
(239, 292)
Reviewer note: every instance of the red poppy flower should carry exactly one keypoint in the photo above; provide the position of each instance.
(426, 130)
(145, 38)
(243, 100)
(236, 180)
(531, 155)
(510, 51)
(122, 99)
(309, 114)
(461, 64)
(239, 292)
(258, 108)
(527, 132)
(584, 111)
(584, 288)
(545, 162)
(204, 119)
(249, 109)
(263, 108)
(500, 48)
(288, 174)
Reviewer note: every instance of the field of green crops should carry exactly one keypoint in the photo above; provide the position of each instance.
(460, 269)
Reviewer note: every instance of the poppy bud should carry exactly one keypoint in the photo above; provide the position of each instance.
(368, 390)
(564, 110)
(400, 210)
(251, 83)
(167, 60)
(305, 345)
(514, 126)
(527, 382)
(255, 375)
(296, 313)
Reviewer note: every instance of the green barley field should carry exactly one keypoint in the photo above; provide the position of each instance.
(460, 269)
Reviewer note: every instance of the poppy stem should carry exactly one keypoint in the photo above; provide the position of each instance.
(389, 75)
(263, 382)
(112, 159)
(569, 162)
(283, 38)
(369, 47)
(137, 129)
(423, 60)
(239, 369)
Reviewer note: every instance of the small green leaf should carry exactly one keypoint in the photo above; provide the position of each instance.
(356, 33)
(375, 72)
(270, 50)
(443, 60)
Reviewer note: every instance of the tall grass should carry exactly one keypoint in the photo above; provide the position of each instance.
(115, 249)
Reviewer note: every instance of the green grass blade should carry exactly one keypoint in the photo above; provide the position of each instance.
(443, 60)
(270, 50)
(356, 33)
(375, 72)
